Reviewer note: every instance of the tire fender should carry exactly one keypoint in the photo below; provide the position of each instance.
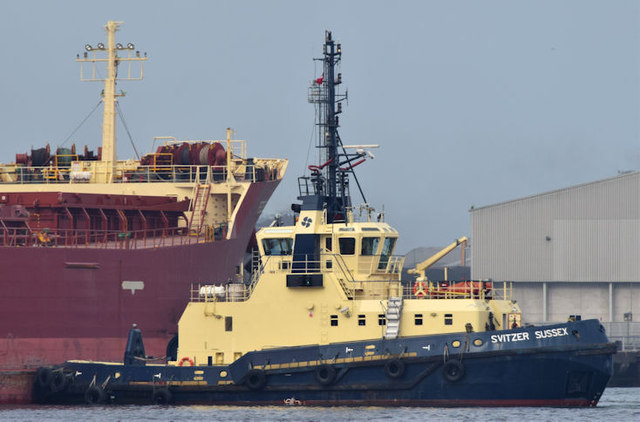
(394, 368)
(325, 374)
(453, 370)
(256, 379)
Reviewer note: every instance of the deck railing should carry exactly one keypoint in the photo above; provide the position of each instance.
(458, 290)
(108, 239)
(140, 174)
(376, 287)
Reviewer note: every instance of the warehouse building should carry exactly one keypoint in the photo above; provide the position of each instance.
(573, 251)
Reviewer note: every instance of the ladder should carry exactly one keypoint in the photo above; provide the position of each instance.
(394, 311)
(199, 202)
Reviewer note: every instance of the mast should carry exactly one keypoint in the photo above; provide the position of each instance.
(330, 181)
(109, 156)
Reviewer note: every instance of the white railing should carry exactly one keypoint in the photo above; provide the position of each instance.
(141, 174)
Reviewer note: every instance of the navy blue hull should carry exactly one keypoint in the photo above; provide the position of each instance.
(561, 365)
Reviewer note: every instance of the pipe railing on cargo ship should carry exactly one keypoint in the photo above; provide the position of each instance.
(109, 239)
(139, 174)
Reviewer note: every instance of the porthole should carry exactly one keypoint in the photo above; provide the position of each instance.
(456, 343)
(478, 342)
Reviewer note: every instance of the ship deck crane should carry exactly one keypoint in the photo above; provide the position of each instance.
(421, 268)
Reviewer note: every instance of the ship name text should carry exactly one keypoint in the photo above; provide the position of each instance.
(509, 338)
(553, 332)
(539, 334)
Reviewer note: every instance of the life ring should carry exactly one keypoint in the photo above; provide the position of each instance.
(186, 359)
(256, 379)
(418, 289)
(453, 370)
(162, 396)
(325, 374)
(95, 395)
(394, 368)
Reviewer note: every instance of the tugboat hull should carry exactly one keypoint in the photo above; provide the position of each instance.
(515, 368)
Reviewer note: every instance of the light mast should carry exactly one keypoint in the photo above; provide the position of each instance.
(109, 156)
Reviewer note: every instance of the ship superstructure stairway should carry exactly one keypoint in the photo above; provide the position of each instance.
(393, 314)
(199, 202)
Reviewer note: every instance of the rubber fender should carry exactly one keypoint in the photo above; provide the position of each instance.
(325, 374)
(44, 376)
(95, 395)
(256, 379)
(58, 382)
(162, 396)
(453, 370)
(394, 368)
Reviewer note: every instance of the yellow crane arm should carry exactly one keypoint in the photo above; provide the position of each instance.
(421, 267)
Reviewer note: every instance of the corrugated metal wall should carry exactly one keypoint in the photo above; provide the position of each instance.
(589, 232)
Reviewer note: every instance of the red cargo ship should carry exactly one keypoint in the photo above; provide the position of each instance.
(90, 245)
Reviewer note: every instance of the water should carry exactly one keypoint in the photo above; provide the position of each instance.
(617, 404)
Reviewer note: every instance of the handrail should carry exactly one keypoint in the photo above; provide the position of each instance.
(476, 289)
(345, 270)
(106, 239)
(255, 276)
(11, 174)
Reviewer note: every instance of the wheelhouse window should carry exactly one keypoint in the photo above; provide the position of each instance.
(347, 245)
(370, 245)
(387, 251)
(282, 246)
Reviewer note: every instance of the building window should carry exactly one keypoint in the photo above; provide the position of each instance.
(362, 320)
(382, 319)
(448, 319)
(228, 323)
(418, 319)
(334, 320)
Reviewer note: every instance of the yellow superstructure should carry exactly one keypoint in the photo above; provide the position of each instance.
(330, 277)
(350, 292)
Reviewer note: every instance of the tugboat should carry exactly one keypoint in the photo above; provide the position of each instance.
(326, 320)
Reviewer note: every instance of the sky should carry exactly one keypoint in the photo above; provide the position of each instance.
(472, 103)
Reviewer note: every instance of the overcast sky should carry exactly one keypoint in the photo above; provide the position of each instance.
(472, 102)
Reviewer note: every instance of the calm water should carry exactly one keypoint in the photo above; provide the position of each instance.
(617, 404)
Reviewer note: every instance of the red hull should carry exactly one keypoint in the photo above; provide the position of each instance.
(51, 312)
